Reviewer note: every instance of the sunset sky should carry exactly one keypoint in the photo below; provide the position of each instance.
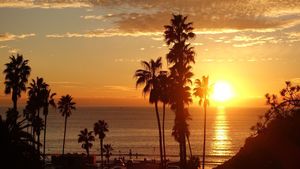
(90, 49)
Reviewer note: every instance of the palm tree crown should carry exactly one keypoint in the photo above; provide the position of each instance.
(66, 105)
(37, 90)
(16, 73)
(86, 138)
(202, 90)
(100, 128)
(148, 77)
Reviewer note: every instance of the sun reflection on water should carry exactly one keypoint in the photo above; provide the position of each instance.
(221, 140)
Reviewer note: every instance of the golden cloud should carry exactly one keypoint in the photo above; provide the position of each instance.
(102, 33)
(9, 36)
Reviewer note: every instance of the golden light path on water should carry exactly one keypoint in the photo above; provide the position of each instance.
(222, 142)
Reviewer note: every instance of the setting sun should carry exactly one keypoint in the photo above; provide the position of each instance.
(222, 91)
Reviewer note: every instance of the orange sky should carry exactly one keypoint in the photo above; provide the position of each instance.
(91, 50)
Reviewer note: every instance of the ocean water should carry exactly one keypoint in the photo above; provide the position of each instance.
(135, 128)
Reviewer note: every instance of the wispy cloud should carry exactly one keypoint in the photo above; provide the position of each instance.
(13, 50)
(197, 44)
(119, 88)
(247, 40)
(101, 33)
(146, 18)
(92, 17)
(67, 84)
(9, 36)
(241, 45)
(296, 80)
(293, 36)
(126, 60)
(45, 4)
(212, 16)
(99, 17)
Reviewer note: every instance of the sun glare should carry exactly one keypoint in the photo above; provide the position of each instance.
(222, 91)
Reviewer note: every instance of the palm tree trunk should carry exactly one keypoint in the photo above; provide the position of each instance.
(38, 134)
(204, 137)
(45, 131)
(190, 148)
(15, 104)
(163, 133)
(182, 150)
(108, 162)
(63, 149)
(182, 135)
(15, 100)
(160, 136)
(33, 136)
(101, 152)
(88, 152)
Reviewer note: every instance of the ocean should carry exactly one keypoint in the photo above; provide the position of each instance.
(135, 129)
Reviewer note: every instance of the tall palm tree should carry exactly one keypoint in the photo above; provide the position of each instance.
(202, 91)
(100, 128)
(148, 76)
(86, 138)
(36, 92)
(48, 100)
(65, 106)
(164, 87)
(180, 56)
(16, 73)
(107, 149)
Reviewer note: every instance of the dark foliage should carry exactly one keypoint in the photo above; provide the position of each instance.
(275, 143)
(17, 147)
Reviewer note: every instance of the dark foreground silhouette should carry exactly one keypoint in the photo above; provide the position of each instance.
(17, 147)
(276, 141)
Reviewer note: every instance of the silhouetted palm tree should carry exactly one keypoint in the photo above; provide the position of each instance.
(164, 87)
(86, 138)
(107, 149)
(48, 100)
(16, 73)
(65, 106)
(36, 94)
(202, 91)
(148, 76)
(180, 56)
(100, 128)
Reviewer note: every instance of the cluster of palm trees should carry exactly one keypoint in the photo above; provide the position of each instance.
(173, 87)
(40, 97)
(167, 87)
(87, 137)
